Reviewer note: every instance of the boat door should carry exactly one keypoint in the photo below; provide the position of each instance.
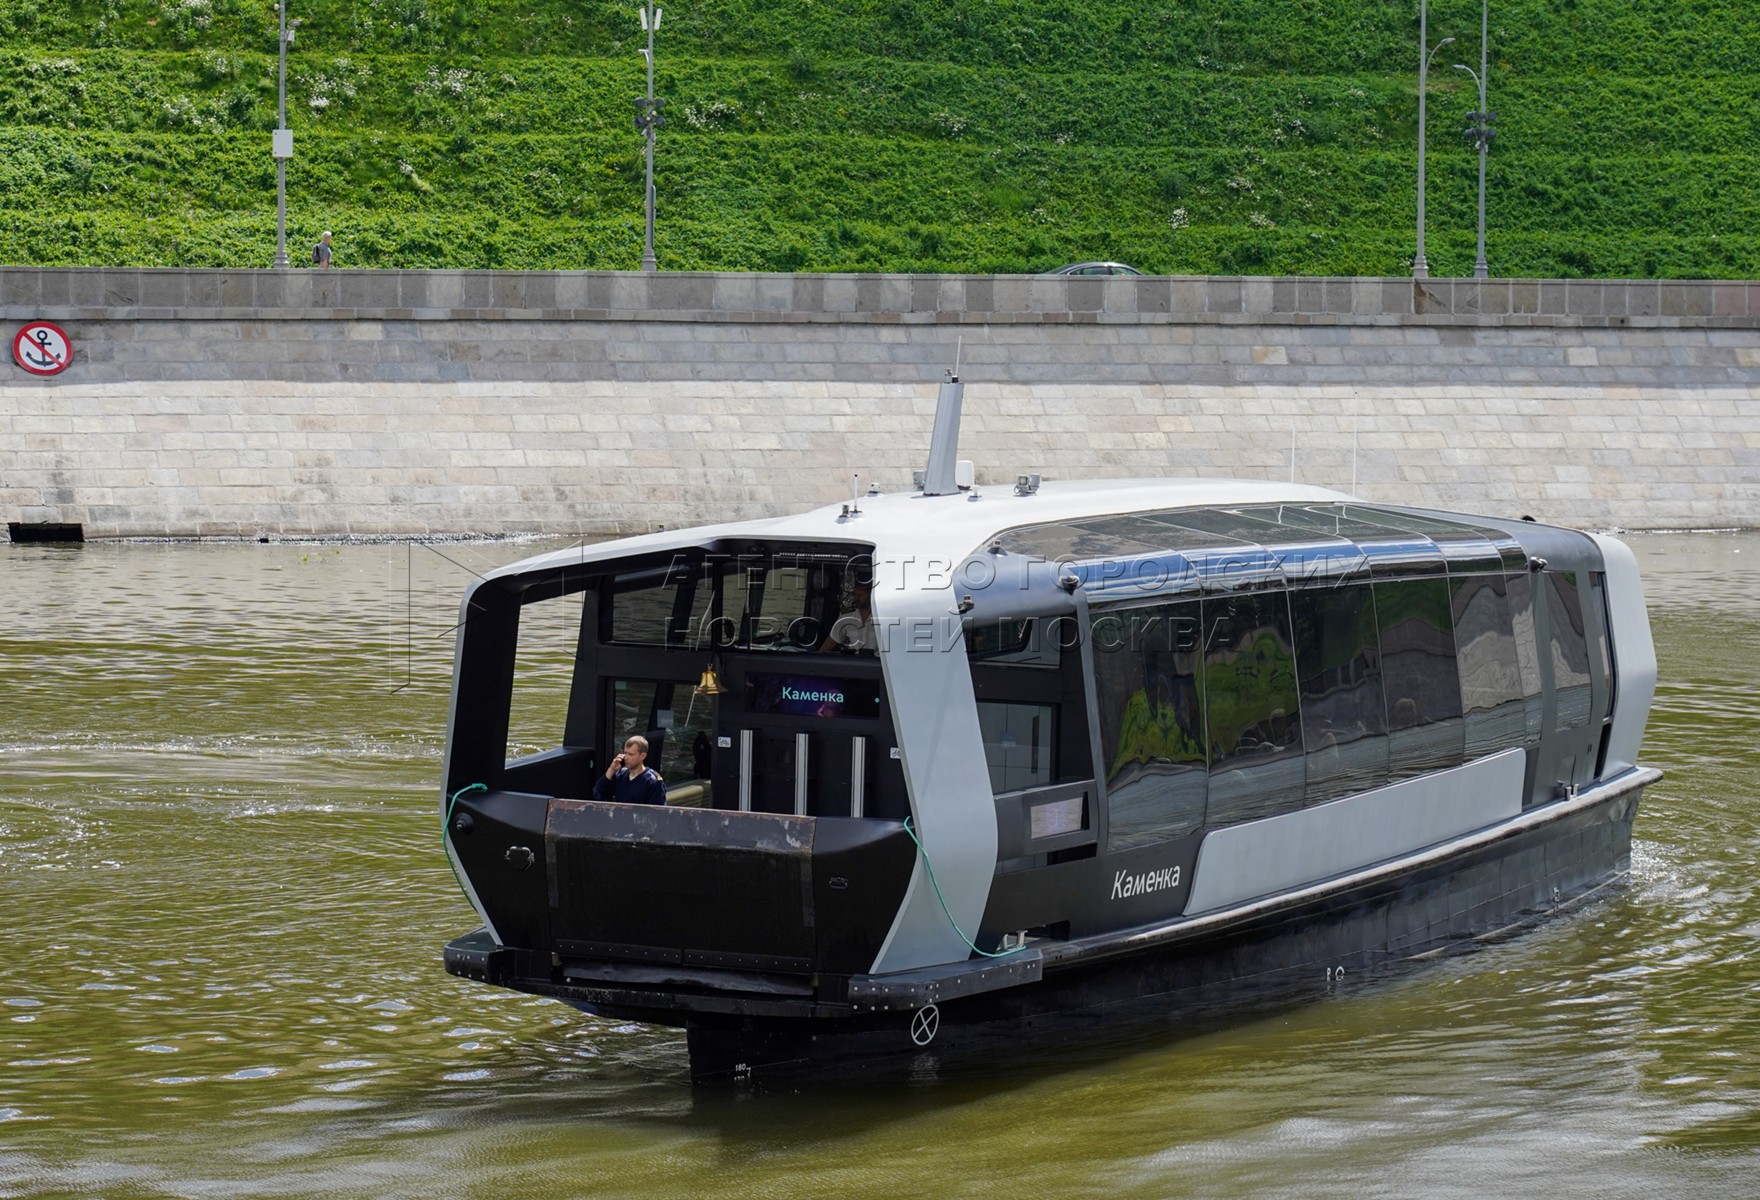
(808, 735)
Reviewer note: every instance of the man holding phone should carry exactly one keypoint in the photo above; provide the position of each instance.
(629, 779)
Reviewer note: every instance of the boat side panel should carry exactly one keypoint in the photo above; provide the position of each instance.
(1260, 858)
(936, 715)
(1634, 655)
(1191, 985)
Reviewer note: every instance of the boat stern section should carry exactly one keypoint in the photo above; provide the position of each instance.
(722, 889)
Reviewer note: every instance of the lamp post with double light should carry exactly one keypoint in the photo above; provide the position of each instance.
(1480, 133)
(1479, 130)
(648, 119)
(1426, 52)
(282, 142)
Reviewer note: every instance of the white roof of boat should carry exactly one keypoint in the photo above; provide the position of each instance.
(908, 524)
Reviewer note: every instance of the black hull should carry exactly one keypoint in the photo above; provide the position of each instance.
(1283, 956)
(1183, 976)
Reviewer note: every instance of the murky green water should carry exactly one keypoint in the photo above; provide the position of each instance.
(219, 858)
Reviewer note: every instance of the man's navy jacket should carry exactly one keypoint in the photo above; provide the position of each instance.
(645, 788)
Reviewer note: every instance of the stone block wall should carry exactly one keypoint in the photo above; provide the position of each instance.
(299, 402)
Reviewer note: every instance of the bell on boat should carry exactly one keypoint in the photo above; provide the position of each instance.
(708, 685)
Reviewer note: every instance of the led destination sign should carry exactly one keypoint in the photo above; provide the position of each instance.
(813, 696)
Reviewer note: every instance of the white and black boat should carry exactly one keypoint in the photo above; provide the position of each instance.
(1102, 752)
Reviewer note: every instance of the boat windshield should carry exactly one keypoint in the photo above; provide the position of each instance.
(781, 601)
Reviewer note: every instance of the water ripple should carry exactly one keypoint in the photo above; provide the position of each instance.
(218, 842)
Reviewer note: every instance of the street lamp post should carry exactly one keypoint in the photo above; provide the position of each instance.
(1480, 133)
(282, 143)
(1426, 52)
(648, 119)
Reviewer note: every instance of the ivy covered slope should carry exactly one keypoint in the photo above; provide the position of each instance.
(1188, 136)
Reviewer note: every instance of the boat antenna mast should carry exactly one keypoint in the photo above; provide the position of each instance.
(940, 477)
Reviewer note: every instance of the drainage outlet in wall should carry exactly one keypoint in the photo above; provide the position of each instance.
(46, 531)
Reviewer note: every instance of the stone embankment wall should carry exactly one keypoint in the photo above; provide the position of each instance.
(290, 403)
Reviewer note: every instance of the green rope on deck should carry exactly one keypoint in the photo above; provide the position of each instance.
(930, 867)
(446, 823)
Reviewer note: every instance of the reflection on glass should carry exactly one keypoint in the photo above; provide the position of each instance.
(1570, 648)
(1519, 588)
(1253, 714)
(783, 616)
(780, 601)
(1338, 659)
(1421, 677)
(1604, 643)
(1327, 518)
(1491, 675)
(1073, 542)
(1017, 744)
(1150, 530)
(1010, 640)
(640, 605)
(1151, 721)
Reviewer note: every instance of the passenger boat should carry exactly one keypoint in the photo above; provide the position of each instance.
(1099, 752)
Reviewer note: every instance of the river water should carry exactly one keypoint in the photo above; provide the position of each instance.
(220, 861)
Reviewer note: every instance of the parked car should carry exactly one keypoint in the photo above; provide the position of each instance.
(1096, 268)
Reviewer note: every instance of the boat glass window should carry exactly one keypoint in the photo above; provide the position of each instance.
(775, 608)
(844, 607)
(1421, 676)
(1338, 663)
(1220, 526)
(543, 674)
(1492, 699)
(785, 601)
(1465, 547)
(1327, 518)
(1320, 562)
(1025, 641)
(1519, 588)
(1569, 648)
(657, 607)
(1074, 542)
(1150, 698)
(679, 726)
(1251, 706)
(1018, 744)
(1604, 643)
(1164, 530)
(749, 602)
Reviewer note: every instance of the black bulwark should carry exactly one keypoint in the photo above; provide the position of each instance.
(714, 888)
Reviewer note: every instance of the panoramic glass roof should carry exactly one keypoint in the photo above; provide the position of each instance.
(1260, 545)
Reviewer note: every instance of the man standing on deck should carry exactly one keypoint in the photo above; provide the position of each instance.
(629, 780)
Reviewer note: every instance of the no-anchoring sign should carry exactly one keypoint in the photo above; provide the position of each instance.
(42, 349)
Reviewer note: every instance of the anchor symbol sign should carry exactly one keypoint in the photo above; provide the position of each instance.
(42, 349)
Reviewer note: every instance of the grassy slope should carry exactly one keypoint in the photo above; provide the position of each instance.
(1196, 136)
